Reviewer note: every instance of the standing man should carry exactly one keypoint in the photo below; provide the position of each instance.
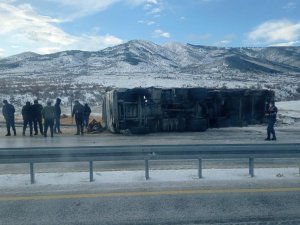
(8, 111)
(87, 113)
(48, 113)
(271, 114)
(27, 114)
(37, 117)
(78, 111)
(57, 116)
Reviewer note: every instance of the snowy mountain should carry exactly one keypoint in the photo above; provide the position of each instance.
(143, 56)
(20, 57)
(86, 75)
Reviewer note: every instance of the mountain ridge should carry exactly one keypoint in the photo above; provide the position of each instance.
(87, 75)
(144, 56)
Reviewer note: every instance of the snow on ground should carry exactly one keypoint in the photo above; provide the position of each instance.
(289, 108)
(289, 112)
(134, 177)
(166, 80)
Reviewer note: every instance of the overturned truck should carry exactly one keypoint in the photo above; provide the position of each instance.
(144, 110)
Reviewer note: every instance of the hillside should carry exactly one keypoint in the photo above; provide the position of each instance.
(142, 63)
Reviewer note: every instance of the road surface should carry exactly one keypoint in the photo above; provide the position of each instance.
(196, 203)
(233, 135)
(216, 203)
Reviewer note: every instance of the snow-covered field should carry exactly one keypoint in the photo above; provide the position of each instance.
(138, 177)
(91, 88)
(282, 84)
(289, 112)
(289, 108)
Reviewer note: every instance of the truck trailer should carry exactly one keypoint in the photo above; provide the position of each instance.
(144, 110)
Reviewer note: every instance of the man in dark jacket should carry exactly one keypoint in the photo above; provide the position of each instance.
(8, 111)
(78, 111)
(87, 113)
(27, 114)
(57, 116)
(37, 117)
(271, 114)
(48, 113)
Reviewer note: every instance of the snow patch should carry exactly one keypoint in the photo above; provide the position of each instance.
(132, 177)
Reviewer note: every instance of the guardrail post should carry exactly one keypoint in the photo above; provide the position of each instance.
(147, 169)
(32, 180)
(91, 171)
(200, 168)
(251, 167)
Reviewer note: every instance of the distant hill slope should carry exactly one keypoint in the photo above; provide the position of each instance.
(87, 75)
(142, 56)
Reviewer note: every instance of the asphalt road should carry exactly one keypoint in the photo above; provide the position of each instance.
(233, 135)
(220, 203)
(189, 206)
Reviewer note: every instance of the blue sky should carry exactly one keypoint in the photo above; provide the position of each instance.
(46, 26)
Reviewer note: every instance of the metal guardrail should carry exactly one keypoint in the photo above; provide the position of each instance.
(147, 153)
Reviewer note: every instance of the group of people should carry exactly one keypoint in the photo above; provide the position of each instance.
(82, 114)
(33, 115)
